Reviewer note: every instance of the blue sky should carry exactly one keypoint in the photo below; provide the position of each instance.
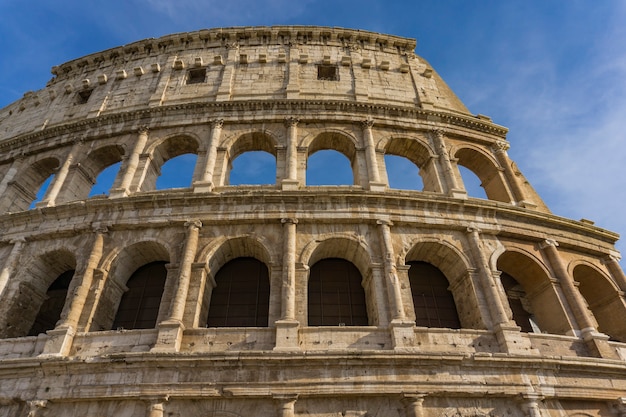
(553, 72)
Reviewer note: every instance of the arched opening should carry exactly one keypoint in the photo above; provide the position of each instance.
(105, 180)
(520, 306)
(35, 297)
(603, 300)
(335, 294)
(92, 175)
(139, 306)
(402, 173)
(52, 307)
(402, 157)
(253, 168)
(439, 264)
(241, 295)
(535, 292)
(472, 184)
(172, 164)
(41, 192)
(177, 172)
(490, 177)
(130, 262)
(331, 160)
(433, 302)
(328, 167)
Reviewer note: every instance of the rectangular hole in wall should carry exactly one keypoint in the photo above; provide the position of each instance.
(196, 76)
(328, 72)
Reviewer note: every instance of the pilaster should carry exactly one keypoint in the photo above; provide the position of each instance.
(206, 183)
(129, 167)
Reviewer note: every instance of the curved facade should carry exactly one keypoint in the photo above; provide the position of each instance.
(288, 299)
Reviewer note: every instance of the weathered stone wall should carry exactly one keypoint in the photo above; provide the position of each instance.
(289, 91)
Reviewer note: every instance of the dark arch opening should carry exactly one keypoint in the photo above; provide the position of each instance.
(139, 306)
(335, 294)
(241, 296)
(433, 302)
(52, 307)
(520, 306)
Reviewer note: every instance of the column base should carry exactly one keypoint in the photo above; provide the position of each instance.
(457, 193)
(287, 335)
(598, 343)
(512, 341)
(290, 185)
(377, 186)
(170, 337)
(59, 342)
(402, 334)
(118, 193)
(202, 186)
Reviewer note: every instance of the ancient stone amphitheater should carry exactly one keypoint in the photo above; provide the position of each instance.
(288, 299)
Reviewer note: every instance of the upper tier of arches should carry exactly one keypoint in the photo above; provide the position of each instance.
(205, 159)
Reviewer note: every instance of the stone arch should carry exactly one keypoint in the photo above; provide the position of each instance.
(250, 141)
(223, 250)
(420, 154)
(603, 299)
(120, 266)
(161, 151)
(536, 291)
(22, 191)
(340, 141)
(344, 247)
(486, 169)
(83, 174)
(456, 267)
(28, 290)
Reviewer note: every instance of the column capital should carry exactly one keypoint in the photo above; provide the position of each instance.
(289, 220)
(548, 243)
(17, 240)
(500, 146)
(612, 257)
(385, 222)
(100, 228)
(438, 132)
(284, 397)
(367, 123)
(217, 123)
(471, 229)
(291, 121)
(143, 130)
(193, 224)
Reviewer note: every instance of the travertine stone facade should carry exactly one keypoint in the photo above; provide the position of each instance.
(536, 317)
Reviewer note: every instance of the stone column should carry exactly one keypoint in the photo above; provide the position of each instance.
(171, 329)
(286, 404)
(507, 333)
(35, 407)
(621, 406)
(413, 404)
(291, 175)
(10, 175)
(130, 167)
(11, 262)
(612, 264)
(453, 188)
(530, 404)
(156, 406)
(205, 184)
(61, 337)
(375, 183)
(287, 326)
(499, 149)
(61, 174)
(596, 342)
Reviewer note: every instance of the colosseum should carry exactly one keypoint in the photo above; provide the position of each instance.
(288, 299)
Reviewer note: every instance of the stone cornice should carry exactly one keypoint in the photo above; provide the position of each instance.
(228, 37)
(276, 109)
(405, 208)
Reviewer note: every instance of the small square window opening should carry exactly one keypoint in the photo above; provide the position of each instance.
(196, 76)
(328, 72)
